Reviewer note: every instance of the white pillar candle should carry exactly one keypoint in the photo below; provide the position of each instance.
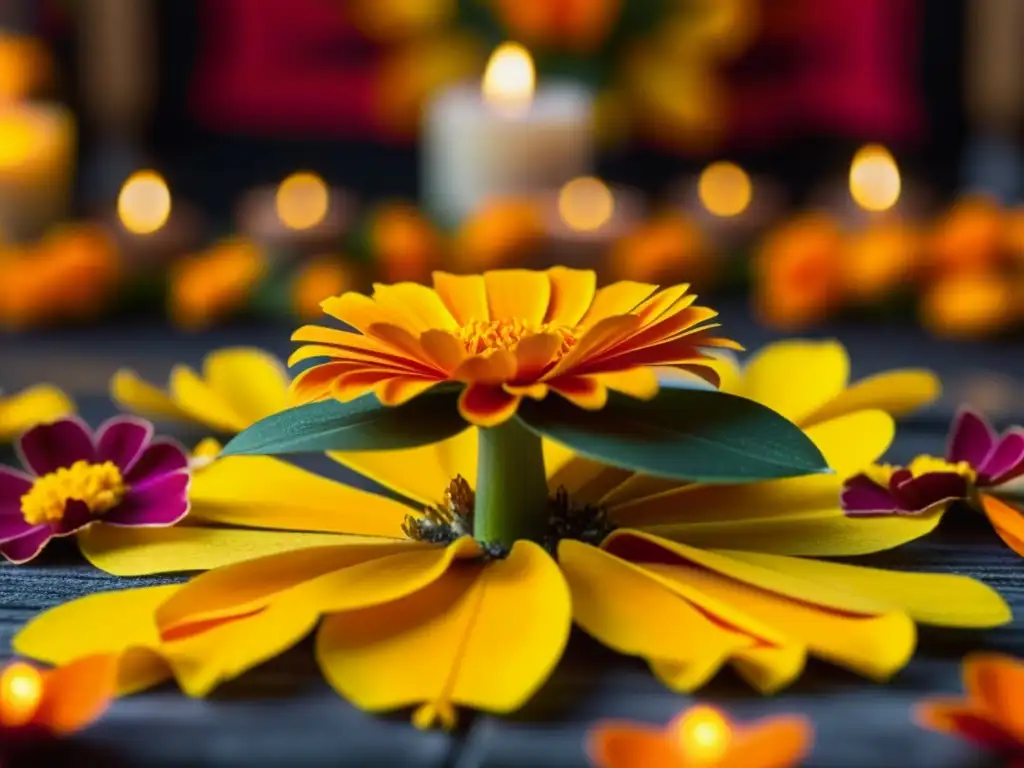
(504, 139)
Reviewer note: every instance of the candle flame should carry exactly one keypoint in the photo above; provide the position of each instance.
(144, 204)
(725, 189)
(509, 79)
(303, 200)
(21, 691)
(704, 735)
(585, 204)
(874, 178)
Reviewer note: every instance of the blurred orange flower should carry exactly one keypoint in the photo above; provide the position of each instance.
(579, 26)
(500, 233)
(662, 249)
(209, 286)
(317, 279)
(798, 272)
(969, 305)
(58, 701)
(25, 67)
(879, 260)
(405, 244)
(701, 736)
(969, 237)
(991, 715)
(1014, 235)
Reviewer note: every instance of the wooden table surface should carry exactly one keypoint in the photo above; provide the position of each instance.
(283, 713)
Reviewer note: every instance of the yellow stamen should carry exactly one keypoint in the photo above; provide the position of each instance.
(100, 486)
(482, 335)
(881, 474)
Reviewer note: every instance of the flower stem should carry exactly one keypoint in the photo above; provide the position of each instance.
(511, 486)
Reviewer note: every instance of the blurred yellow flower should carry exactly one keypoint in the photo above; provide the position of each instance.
(209, 286)
(663, 249)
(969, 305)
(880, 260)
(317, 279)
(404, 244)
(35, 405)
(500, 233)
(798, 272)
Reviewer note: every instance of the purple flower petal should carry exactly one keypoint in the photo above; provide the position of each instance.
(27, 546)
(48, 447)
(13, 485)
(863, 496)
(162, 457)
(76, 516)
(1006, 461)
(920, 493)
(13, 526)
(122, 441)
(159, 503)
(971, 439)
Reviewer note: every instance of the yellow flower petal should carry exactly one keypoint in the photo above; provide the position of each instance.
(420, 306)
(464, 295)
(261, 492)
(572, 291)
(930, 598)
(202, 403)
(641, 383)
(141, 551)
(632, 613)
(616, 299)
(796, 378)
(852, 442)
(457, 630)
(133, 394)
(252, 381)
(35, 405)
(518, 293)
(895, 392)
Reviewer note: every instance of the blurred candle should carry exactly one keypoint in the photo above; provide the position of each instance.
(875, 183)
(37, 147)
(150, 227)
(585, 218)
(301, 214)
(21, 691)
(504, 138)
(704, 736)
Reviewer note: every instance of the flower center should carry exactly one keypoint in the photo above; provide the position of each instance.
(881, 474)
(482, 335)
(100, 486)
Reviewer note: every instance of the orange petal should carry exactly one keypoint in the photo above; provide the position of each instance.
(352, 354)
(464, 295)
(534, 354)
(672, 299)
(359, 311)
(641, 383)
(518, 293)
(775, 742)
(534, 391)
(995, 685)
(674, 325)
(958, 717)
(349, 386)
(76, 694)
(402, 389)
(582, 391)
(603, 335)
(487, 405)
(629, 745)
(616, 299)
(404, 341)
(494, 367)
(443, 349)
(572, 291)
(422, 308)
(1008, 522)
(317, 382)
(675, 352)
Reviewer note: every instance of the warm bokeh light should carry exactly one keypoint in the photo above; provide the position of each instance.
(302, 200)
(704, 735)
(21, 691)
(585, 204)
(725, 189)
(509, 79)
(874, 178)
(144, 204)
(17, 138)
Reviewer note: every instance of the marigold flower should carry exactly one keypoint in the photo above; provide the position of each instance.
(236, 387)
(701, 736)
(990, 715)
(880, 261)
(120, 476)
(404, 243)
(209, 286)
(58, 701)
(969, 238)
(575, 25)
(694, 578)
(316, 280)
(663, 248)
(500, 232)
(35, 405)
(505, 335)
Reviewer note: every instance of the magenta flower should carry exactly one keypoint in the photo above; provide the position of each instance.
(977, 458)
(119, 476)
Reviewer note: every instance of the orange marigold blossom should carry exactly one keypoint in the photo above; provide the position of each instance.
(991, 714)
(701, 736)
(506, 335)
(57, 701)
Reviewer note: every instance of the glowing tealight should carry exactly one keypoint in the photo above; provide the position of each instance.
(725, 189)
(585, 204)
(21, 691)
(144, 204)
(704, 735)
(509, 79)
(874, 178)
(302, 201)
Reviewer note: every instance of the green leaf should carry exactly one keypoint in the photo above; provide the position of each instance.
(361, 425)
(685, 434)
